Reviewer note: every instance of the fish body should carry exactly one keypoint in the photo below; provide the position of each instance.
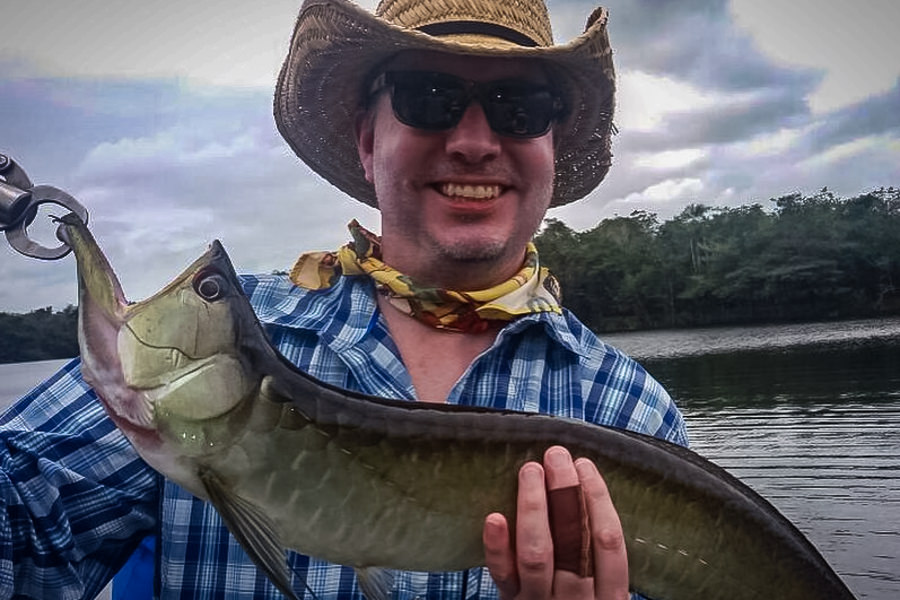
(191, 379)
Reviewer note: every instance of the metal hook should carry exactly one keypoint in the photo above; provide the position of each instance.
(14, 195)
(18, 236)
(19, 202)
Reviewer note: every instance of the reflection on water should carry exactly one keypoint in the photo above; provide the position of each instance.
(804, 375)
(830, 468)
(810, 422)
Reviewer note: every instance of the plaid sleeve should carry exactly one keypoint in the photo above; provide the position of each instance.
(76, 497)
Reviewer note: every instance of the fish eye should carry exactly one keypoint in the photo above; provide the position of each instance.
(210, 285)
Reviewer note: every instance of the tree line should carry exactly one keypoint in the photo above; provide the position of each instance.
(41, 334)
(813, 257)
(802, 257)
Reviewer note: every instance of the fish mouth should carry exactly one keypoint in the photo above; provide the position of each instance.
(179, 356)
(98, 282)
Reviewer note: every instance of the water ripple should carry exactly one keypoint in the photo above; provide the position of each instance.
(809, 417)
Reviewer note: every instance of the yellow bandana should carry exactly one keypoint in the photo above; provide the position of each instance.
(532, 290)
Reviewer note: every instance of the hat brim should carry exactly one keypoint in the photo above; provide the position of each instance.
(336, 45)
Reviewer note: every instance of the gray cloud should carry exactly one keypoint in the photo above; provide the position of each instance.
(697, 43)
(163, 170)
(765, 111)
(694, 40)
(876, 115)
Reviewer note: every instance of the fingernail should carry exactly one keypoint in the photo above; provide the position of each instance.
(531, 472)
(494, 522)
(557, 457)
(585, 467)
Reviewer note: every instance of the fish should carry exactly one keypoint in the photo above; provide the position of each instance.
(290, 462)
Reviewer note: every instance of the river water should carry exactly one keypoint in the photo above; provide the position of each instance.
(807, 415)
(17, 379)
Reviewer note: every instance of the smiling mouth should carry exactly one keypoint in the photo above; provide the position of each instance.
(468, 191)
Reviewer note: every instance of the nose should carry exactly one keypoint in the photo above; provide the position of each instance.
(473, 140)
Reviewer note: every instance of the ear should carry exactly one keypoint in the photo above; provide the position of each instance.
(365, 141)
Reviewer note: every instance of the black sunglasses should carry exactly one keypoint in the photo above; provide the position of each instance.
(437, 101)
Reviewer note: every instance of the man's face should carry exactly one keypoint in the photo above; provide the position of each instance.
(459, 205)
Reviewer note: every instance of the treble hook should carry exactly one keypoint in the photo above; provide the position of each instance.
(19, 202)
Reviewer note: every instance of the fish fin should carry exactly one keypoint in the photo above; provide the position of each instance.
(269, 392)
(375, 583)
(252, 529)
(145, 416)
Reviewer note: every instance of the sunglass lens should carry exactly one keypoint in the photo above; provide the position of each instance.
(520, 110)
(432, 101)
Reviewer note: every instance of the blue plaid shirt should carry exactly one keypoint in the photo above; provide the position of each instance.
(78, 499)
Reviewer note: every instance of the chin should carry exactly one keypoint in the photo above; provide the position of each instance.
(473, 251)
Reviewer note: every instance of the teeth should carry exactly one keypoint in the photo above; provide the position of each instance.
(479, 192)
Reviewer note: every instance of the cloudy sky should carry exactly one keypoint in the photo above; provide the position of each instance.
(157, 117)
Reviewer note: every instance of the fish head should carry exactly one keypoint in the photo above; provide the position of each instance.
(170, 369)
(184, 326)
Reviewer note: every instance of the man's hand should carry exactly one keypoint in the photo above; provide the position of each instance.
(527, 571)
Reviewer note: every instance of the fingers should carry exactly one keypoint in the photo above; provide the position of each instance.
(534, 545)
(610, 557)
(526, 569)
(499, 556)
(585, 527)
(569, 523)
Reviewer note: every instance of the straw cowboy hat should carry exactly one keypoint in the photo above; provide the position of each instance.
(336, 45)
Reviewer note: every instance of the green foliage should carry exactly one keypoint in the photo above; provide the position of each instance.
(809, 257)
(39, 335)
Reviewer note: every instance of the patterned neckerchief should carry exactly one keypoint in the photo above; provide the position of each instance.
(532, 290)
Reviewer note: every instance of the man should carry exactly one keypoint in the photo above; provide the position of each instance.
(462, 123)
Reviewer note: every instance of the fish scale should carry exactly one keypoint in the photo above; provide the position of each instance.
(378, 484)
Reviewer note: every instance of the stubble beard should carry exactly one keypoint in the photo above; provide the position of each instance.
(467, 264)
(472, 252)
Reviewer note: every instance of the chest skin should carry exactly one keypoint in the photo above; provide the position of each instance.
(435, 358)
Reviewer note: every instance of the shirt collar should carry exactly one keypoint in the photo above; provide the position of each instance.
(344, 314)
(559, 327)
